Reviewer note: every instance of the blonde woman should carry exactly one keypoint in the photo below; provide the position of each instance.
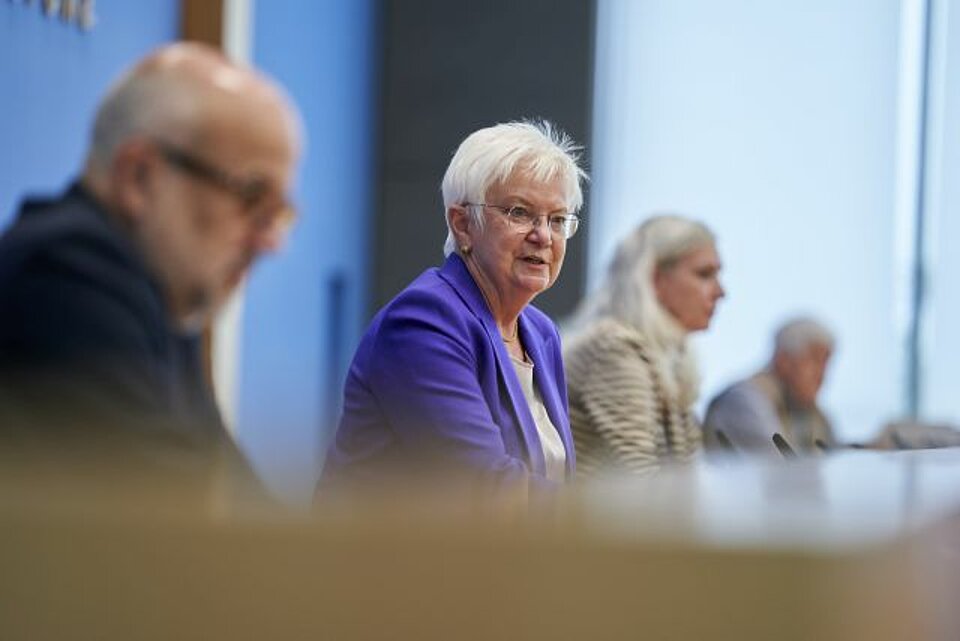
(631, 376)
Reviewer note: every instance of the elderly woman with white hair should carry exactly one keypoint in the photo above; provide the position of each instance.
(631, 375)
(459, 374)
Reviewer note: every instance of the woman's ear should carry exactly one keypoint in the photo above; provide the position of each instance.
(664, 281)
(460, 222)
(658, 282)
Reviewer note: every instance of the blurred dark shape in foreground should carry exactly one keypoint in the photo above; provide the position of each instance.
(692, 553)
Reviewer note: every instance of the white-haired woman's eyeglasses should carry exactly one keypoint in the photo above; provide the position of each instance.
(523, 221)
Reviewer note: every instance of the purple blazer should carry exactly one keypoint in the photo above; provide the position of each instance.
(432, 377)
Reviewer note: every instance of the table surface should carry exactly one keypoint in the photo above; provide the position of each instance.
(834, 548)
(841, 501)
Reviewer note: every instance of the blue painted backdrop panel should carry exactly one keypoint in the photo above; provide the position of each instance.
(51, 77)
(304, 308)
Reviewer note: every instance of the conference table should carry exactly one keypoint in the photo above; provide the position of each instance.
(851, 545)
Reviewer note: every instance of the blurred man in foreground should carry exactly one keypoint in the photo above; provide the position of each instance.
(781, 399)
(105, 289)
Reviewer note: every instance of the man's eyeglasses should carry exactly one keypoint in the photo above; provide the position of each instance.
(522, 220)
(254, 194)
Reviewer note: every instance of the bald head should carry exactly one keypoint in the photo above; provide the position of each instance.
(175, 93)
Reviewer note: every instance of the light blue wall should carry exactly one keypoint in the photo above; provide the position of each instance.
(305, 308)
(51, 76)
(941, 347)
(777, 124)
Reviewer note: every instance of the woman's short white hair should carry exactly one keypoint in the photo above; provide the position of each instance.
(491, 155)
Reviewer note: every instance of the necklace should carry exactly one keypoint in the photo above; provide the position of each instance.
(511, 339)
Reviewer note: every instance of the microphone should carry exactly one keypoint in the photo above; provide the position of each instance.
(724, 442)
(783, 447)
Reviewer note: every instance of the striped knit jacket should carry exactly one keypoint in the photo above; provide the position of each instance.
(622, 419)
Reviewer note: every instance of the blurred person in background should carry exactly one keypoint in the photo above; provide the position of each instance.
(781, 398)
(459, 374)
(631, 374)
(106, 288)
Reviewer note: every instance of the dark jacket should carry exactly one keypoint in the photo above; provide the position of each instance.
(87, 352)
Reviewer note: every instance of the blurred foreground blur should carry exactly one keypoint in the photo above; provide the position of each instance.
(858, 545)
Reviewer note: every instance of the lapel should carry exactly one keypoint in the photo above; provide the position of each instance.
(545, 380)
(455, 272)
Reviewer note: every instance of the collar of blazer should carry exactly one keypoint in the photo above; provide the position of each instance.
(455, 272)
